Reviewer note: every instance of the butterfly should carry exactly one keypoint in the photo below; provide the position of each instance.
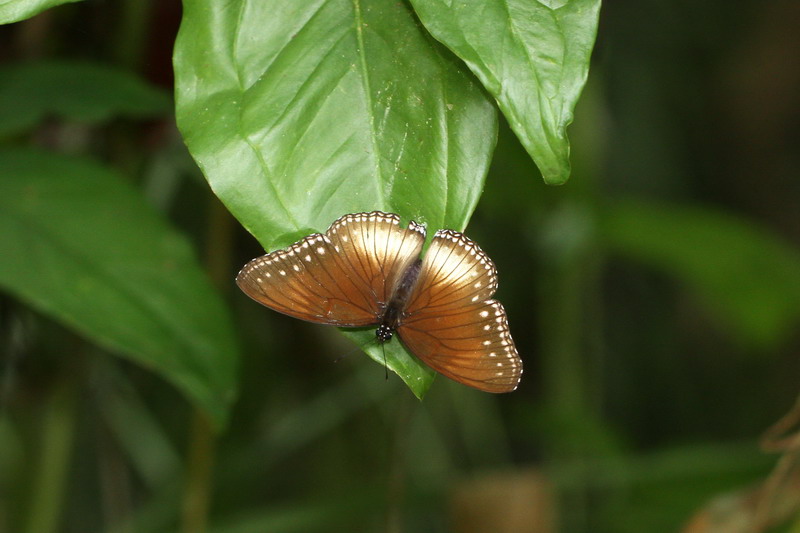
(366, 270)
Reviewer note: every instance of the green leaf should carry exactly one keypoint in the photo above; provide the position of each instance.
(81, 245)
(16, 10)
(78, 91)
(532, 56)
(300, 112)
(748, 275)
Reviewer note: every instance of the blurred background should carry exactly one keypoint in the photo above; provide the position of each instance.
(654, 298)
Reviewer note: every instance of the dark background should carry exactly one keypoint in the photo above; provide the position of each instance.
(641, 400)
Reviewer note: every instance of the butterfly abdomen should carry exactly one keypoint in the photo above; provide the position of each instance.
(397, 303)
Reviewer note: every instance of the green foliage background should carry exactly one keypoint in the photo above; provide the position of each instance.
(654, 296)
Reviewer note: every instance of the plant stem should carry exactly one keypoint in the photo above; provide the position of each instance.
(565, 282)
(197, 493)
(197, 496)
(569, 276)
(58, 425)
(130, 36)
(396, 483)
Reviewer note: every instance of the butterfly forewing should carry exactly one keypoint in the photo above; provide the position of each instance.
(337, 278)
(451, 323)
(375, 251)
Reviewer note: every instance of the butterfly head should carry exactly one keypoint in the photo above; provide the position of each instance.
(384, 333)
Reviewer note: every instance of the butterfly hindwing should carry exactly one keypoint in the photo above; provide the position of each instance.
(337, 278)
(450, 321)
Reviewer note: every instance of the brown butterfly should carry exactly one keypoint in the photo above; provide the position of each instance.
(366, 271)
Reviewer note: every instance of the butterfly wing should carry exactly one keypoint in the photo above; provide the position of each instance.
(450, 321)
(339, 278)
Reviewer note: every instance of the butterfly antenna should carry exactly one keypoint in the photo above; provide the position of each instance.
(354, 350)
(335, 361)
(385, 366)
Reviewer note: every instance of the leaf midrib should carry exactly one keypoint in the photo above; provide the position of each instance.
(369, 102)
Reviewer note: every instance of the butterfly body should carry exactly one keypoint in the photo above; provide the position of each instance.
(366, 270)
(393, 313)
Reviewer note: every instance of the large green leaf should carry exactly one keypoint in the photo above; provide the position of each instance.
(532, 56)
(300, 112)
(746, 274)
(16, 10)
(81, 245)
(78, 91)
